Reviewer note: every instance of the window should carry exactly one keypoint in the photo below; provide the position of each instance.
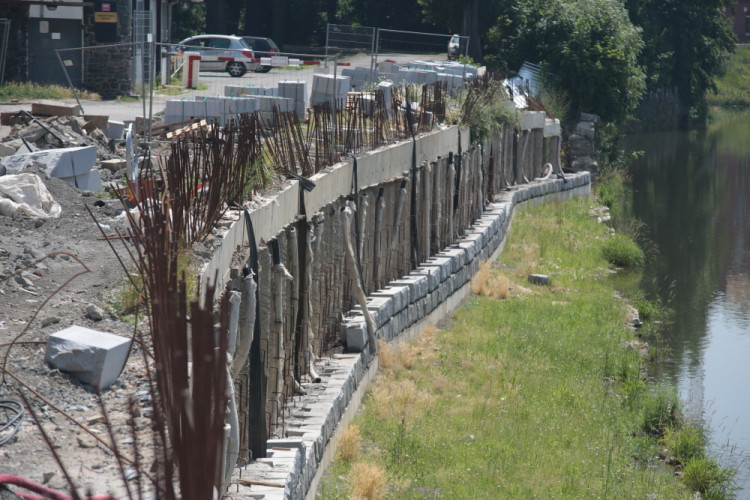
(219, 43)
(747, 22)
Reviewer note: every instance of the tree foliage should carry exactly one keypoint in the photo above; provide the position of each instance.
(686, 42)
(590, 45)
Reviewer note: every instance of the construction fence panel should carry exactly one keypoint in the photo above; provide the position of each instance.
(432, 45)
(349, 38)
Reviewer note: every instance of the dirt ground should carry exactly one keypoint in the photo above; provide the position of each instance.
(38, 302)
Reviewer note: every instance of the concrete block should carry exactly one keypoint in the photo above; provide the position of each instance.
(432, 273)
(418, 285)
(445, 265)
(457, 257)
(6, 150)
(63, 162)
(538, 279)
(89, 181)
(470, 249)
(399, 297)
(114, 130)
(380, 307)
(93, 357)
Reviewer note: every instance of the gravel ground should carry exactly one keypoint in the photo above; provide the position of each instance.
(38, 302)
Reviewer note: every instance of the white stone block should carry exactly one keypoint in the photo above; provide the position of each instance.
(93, 357)
(64, 162)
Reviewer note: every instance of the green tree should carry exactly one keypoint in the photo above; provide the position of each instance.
(590, 45)
(686, 42)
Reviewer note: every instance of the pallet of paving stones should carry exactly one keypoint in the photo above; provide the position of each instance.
(174, 130)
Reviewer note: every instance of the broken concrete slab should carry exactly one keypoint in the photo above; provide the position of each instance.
(93, 357)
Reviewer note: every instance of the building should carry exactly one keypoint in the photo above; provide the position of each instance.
(97, 42)
(741, 15)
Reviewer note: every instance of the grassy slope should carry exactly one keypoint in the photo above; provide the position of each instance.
(530, 396)
(733, 82)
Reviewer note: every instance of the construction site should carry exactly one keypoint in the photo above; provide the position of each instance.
(191, 305)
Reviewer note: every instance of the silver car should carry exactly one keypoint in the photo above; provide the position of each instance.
(222, 53)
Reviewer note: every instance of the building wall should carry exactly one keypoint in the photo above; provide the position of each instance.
(15, 64)
(108, 67)
(741, 25)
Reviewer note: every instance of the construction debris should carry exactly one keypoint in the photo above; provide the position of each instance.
(93, 357)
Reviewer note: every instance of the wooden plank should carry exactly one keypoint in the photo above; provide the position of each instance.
(47, 108)
(6, 118)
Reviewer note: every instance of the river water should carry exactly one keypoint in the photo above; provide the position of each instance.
(692, 190)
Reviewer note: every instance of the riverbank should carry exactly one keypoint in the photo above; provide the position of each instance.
(530, 391)
(732, 85)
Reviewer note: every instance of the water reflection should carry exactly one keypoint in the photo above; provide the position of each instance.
(691, 189)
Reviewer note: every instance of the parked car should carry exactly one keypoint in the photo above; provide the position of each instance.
(262, 47)
(221, 53)
(454, 44)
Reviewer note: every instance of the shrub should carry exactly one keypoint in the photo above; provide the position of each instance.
(623, 252)
(661, 410)
(706, 476)
(686, 442)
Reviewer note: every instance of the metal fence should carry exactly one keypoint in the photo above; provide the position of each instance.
(349, 38)
(379, 42)
(413, 42)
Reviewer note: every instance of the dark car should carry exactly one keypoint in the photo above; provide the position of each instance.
(263, 47)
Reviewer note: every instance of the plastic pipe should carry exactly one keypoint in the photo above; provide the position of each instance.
(246, 324)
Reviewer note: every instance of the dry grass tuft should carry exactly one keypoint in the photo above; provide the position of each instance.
(408, 355)
(368, 481)
(387, 355)
(399, 399)
(349, 444)
(490, 283)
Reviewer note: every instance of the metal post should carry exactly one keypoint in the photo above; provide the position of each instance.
(372, 51)
(333, 109)
(328, 32)
(152, 56)
(5, 23)
(75, 94)
(377, 47)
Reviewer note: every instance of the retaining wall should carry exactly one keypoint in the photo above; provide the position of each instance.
(420, 223)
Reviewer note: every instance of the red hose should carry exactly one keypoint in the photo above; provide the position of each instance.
(47, 493)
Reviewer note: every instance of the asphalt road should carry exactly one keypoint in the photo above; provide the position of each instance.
(213, 84)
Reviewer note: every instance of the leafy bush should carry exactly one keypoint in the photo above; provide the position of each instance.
(706, 476)
(622, 251)
(686, 442)
(661, 410)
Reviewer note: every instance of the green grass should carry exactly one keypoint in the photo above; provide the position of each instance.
(733, 82)
(527, 397)
(30, 90)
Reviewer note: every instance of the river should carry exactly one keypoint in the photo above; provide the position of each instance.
(692, 190)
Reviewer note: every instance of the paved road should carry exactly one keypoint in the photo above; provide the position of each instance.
(214, 83)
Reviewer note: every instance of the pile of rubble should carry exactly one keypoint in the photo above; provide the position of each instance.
(86, 151)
